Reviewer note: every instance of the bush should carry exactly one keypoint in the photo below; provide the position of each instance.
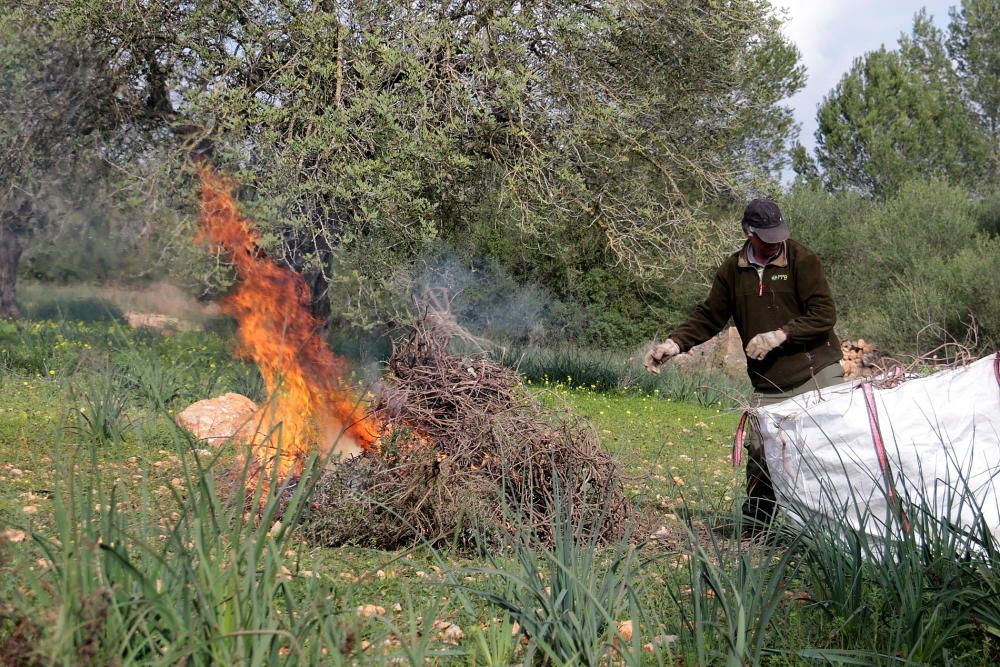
(924, 220)
(910, 273)
(988, 214)
(937, 301)
(828, 223)
(76, 309)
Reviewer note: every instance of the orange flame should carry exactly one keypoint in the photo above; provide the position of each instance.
(310, 406)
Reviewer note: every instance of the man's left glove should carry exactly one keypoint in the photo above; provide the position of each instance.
(761, 344)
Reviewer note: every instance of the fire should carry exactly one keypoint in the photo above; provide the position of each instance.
(310, 405)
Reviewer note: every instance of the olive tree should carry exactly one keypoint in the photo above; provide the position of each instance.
(364, 132)
(67, 114)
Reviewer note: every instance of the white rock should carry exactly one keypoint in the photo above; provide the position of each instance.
(228, 417)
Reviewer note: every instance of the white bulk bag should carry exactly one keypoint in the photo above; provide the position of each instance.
(940, 447)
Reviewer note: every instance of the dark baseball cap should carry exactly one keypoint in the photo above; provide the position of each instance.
(763, 218)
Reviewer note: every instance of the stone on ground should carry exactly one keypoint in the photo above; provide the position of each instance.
(215, 420)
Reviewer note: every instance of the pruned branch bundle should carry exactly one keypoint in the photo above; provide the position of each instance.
(472, 454)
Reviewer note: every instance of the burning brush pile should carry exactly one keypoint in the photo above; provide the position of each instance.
(470, 453)
(454, 447)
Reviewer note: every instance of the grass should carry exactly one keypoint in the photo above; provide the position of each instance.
(120, 548)
(604, 370)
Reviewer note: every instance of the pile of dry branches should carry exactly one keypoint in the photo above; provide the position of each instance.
(471, 455)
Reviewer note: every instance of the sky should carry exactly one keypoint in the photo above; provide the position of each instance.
(830, 34)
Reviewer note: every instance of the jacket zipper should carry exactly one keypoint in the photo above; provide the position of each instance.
(760, 282)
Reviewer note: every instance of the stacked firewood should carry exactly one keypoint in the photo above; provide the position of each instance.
(861, 359)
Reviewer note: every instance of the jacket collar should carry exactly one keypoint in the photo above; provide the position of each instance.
(780, 261)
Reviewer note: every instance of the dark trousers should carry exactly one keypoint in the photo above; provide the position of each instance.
(760, 503)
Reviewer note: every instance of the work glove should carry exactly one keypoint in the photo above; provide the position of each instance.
(761, 344)
(659, 354)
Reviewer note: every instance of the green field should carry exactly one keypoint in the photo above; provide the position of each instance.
(119, 548)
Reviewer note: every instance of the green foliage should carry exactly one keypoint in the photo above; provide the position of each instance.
(594, 304)
(884, 123)
(829, 223)
(586, 137)
(247, 380)
(988, 214)
(75, 309)
(377, 130)
(817, 589)
(804, 166)
(910, 273)
(922, 587)
(210, 589)
(974, 44)
(600, 370)
(20, 353)
(736, 599)
(925, 110)
(938, 302)
(62, 107)
(145, 553)
(567, 597)
(101, 411)
(156, 380)
(494, 646)
(923, 221)
(540, 301)
(86, 245)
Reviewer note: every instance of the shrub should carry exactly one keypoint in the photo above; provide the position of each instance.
(939, 300)
(909, 273)
(76, 309)
(988, 214)
(925, 219)
(829, 224)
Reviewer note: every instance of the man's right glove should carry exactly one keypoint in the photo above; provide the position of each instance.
(659, 354)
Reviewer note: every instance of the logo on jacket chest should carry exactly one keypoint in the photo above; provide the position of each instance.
(779, 276)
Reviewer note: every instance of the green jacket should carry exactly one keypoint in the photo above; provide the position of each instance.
(792, 295)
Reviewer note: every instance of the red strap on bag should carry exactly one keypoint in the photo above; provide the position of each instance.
(883, 457)
(738, 440)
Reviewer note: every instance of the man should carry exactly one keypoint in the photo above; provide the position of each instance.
(776, 293)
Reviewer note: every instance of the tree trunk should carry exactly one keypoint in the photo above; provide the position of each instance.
(10, 255)
(320, 306)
